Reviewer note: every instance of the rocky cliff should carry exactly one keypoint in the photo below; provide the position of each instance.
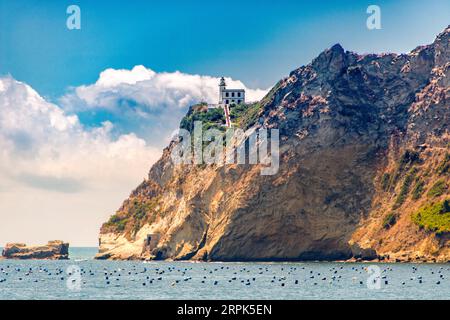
(54, 250)
(364, 172)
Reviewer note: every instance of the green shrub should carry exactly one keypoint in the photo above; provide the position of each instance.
(389, 220)
(117, 222)
(408, 159)
(138, 210)
(141, 208)
(434, 217)
(114, 219)
(245, 115)
(444, 166)
(251, 116)
(237, 111)
(418, 190)
(210, 118)
(405, 188)
(445, 206)
(121, 225)
(385, 179)
(438, 188)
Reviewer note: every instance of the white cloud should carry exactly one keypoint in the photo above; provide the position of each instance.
(39, 136)
(64, 170)
(49, 161)
(112, 77)
(152, 90)
(145, 102)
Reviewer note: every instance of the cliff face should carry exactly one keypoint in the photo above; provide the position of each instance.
(364, 164)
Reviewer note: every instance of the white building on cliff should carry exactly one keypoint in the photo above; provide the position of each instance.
(227, 98)
(230, 96)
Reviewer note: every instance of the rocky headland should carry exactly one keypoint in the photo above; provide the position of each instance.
(364, 172)
(54, 250)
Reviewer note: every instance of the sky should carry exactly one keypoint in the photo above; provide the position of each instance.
(84, 113)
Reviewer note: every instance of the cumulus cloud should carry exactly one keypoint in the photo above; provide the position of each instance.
(54, 171)
(39, 137)
(154, 90)
(144, 101)
(64, 168)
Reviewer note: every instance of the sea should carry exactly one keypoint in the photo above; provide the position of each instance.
(82, 277)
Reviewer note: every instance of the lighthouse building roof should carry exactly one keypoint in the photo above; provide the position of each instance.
(234, 90)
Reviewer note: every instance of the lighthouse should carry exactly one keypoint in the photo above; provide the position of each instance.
(230, 96)
(222, 88)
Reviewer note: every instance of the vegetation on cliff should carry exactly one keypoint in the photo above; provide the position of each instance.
(133, 215)
(418, 189)
(438, 188)
(404, 191)
(389, 220)
(434, 217)
(444, 166)
(210, 118)
(242, 116)
(245, 116)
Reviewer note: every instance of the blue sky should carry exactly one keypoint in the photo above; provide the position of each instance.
(257, 42)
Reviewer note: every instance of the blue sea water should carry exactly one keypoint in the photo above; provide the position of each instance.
(39, 279)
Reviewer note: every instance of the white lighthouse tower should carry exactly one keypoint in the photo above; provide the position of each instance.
(222, 88)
